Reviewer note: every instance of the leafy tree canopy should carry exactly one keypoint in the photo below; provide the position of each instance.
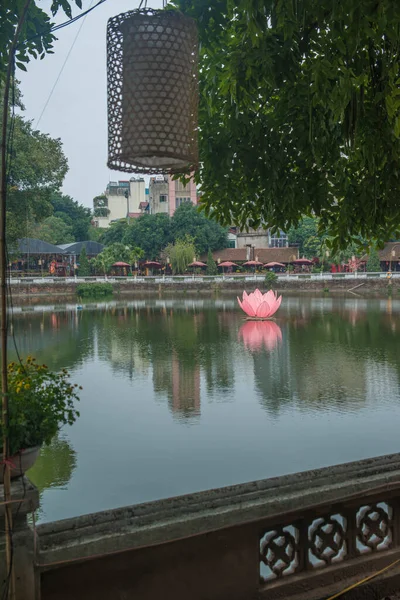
(37, 167)
(116, 252)
(35, 39)
(53, 230)
(149, 232)
(211, 264)
(153, 233)
(373, 263)
(181, 254)
(84, 266)
(300, 114)
(73, 214)
(206, 233)
(314, 244)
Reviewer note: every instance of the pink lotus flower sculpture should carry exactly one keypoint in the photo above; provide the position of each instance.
(260, 306)
(256, 335)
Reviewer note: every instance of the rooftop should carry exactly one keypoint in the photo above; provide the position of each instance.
(282, 255)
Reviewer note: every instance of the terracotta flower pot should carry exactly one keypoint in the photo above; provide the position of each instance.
(20, 462)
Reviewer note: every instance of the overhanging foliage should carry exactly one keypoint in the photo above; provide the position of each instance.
(300, 113)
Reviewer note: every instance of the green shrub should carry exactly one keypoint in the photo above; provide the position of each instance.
(211, 265)
(373, 263)
(270, 279)
(94, 290)
(84, 267)
(40, 402)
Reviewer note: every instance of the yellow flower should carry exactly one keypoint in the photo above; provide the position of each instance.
(27, 386)
(18, 390)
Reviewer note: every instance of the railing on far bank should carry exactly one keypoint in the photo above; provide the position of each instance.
(181, 279)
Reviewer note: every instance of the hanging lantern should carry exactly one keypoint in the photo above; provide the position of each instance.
(152, 86)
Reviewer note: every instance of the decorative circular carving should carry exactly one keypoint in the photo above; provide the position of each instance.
(327, 540)
(279, 551)
(373, 527)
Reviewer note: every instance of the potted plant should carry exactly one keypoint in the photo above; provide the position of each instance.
(39, 403)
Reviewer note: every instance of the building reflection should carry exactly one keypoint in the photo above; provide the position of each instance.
(319, 353)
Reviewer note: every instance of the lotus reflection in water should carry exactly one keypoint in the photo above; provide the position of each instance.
(260, 306)
(259, 334)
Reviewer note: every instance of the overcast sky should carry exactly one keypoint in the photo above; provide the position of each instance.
(77, 111)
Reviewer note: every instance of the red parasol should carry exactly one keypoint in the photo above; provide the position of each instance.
(197, 263)
(274, 264)
(302, 261)
(152, 264)
(252, 263)
(228, 263)
(121, 264)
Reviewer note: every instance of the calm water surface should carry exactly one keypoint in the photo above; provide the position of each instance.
(184, 395)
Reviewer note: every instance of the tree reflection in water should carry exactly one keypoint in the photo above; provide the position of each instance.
(55, 465)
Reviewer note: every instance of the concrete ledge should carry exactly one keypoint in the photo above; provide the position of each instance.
(174, 518)
(24, 495)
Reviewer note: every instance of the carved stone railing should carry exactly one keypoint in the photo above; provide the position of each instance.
(304, 536)
(311, 549)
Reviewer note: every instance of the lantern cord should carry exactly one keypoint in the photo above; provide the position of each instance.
(63, 66)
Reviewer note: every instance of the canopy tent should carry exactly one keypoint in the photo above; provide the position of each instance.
(36, 255)
(33, 246)
(75, 248)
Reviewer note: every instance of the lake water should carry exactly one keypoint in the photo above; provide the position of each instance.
(181, 395)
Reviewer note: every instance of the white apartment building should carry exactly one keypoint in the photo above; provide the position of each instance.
(122, 199)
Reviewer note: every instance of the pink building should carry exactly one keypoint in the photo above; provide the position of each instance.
(166, 194)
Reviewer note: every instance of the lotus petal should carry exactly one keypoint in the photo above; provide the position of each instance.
(254, 301)
(248, 308)
(263, 310)
(257, 304)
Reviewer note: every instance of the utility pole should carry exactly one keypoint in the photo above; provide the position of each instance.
(10, 581)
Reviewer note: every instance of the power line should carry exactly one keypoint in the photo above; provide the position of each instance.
(61, 25)
(66, 59)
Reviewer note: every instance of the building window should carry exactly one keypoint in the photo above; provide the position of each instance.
(163, 197)
(231, 243)
(180, 201)
(181, 187)
(278, 240)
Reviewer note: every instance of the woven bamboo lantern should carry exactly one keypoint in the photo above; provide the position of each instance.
(152, 89)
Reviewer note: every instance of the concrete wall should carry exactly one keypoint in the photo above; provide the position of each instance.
(156, 189)
(207, 545)
(118, 206)
(258, 238)
(177, 190)
(137, 195)
(130, 286)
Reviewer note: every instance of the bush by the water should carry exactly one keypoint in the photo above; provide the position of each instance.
(94, 290)
(270, 279)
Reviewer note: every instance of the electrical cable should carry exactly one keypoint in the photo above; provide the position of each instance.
(63, 66)
(61, 25)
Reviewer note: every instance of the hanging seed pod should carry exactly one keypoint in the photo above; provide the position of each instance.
(152, 87)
